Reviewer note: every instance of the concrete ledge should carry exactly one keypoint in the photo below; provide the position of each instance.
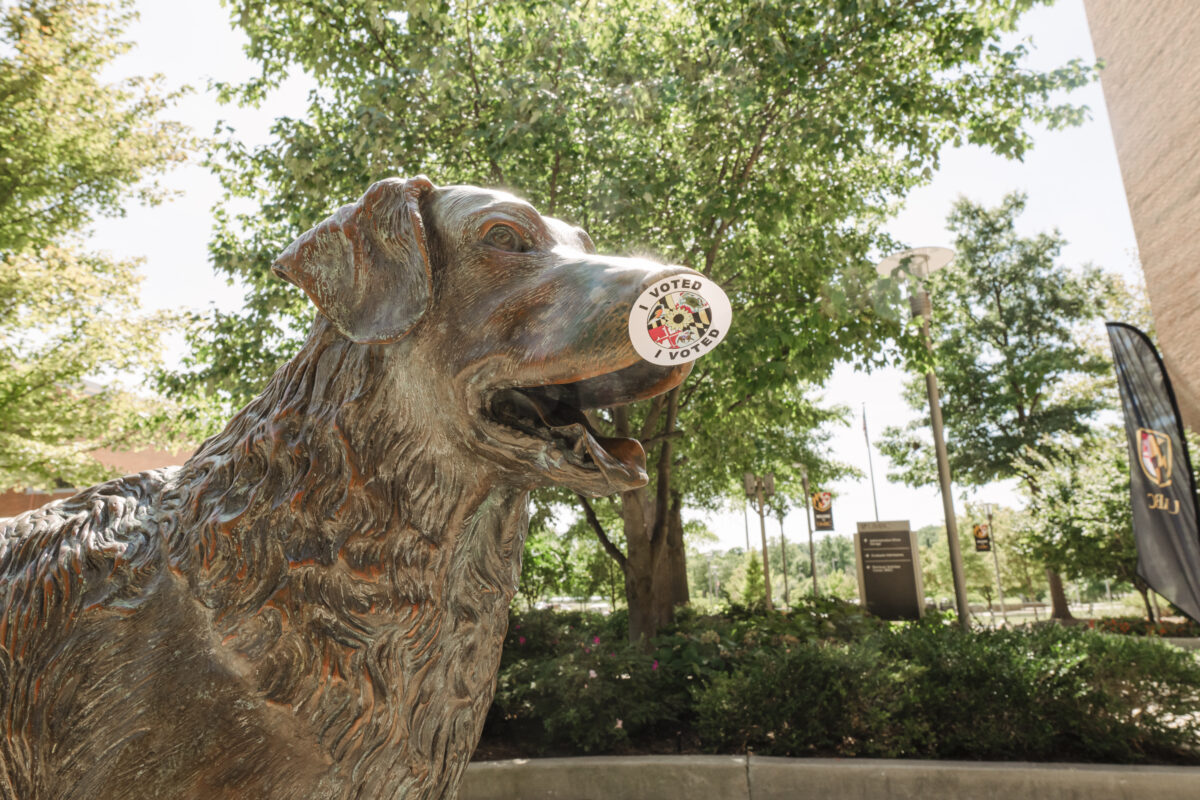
(761, 778)
(1184, 642)
(871, 779)
(608, 778)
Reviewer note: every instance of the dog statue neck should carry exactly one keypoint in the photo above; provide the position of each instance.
(376, 608)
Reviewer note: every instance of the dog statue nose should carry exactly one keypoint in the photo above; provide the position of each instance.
(679, 316)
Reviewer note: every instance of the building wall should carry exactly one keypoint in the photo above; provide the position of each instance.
(124, 462)
(1151, 84)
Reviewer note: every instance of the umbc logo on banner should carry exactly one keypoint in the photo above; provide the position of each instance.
(1155, 457)
(983, 538)
(822, 503)
(1154, 451)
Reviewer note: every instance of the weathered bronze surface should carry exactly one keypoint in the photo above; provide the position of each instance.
(313, 606)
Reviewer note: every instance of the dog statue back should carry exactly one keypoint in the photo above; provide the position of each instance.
(313, 606)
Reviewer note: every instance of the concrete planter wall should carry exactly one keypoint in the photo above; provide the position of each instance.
(1186, 642)
(761, 778)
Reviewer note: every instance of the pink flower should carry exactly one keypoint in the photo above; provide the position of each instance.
(521, 640)
(595, 640)
(654, 666)
(591, 673)
(587, 649)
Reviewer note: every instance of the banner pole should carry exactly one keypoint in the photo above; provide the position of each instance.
(812, 553)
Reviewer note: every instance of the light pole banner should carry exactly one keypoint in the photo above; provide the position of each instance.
(822, 503)
(1161, 483)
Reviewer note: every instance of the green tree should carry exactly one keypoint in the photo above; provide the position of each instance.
(71, 147)
(1080, 520)
(761, 143)
(834, 554)
(1015, 374)
(1019, 570)
(753, 587)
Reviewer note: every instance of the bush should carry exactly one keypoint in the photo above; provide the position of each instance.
(1050, 693)
(810, 699)
(831, 681)
(570, 682)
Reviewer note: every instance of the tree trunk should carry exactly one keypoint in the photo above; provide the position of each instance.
(654, 564)
(1058, 597)
(1144, 591)
(676, 562)
(647, 587)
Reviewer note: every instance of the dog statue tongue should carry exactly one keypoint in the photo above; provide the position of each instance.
(678, 320)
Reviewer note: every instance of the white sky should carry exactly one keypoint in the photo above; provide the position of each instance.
(1072, 179)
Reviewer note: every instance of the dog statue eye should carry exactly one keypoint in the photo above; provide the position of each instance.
(505, 237)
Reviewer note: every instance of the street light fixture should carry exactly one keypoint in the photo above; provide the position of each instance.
(761, 488)
(987, 508)
(812, 553)
(923, 262)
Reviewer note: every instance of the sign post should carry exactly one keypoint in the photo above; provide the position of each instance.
(812, 552)
(760, 488)
(889, 570)
(995, 562)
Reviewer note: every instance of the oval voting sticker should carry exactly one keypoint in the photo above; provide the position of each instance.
(679, 319)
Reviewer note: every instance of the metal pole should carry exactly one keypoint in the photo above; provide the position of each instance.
(870, 462)
(787, 600)
(746, 519)
(996, 560)
(922, 307)
(812, 553)
(762, 521)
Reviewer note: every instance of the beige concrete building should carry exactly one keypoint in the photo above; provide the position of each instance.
(1151, 83)
(125, 462)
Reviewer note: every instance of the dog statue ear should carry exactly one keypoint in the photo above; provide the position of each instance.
(366, 268)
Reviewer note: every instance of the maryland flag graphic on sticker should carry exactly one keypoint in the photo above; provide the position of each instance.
(1154, 454)
(679, 319)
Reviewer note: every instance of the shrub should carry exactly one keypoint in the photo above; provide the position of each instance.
(831, 681)
(568, 684)
(812, 698)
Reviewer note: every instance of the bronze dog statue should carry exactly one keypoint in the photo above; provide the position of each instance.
(313, 605)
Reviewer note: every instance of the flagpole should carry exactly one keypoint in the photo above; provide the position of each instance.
(870, 463)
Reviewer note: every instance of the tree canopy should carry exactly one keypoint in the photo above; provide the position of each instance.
(1014, 369)
(1080, 521)
(760, 143)
(71, 147)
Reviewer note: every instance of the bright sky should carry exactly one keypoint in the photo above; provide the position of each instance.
(1072, 179)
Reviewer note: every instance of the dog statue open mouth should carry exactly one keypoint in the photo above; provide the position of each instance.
(314, 605)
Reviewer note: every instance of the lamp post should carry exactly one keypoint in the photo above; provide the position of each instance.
(760, 488)
(787, 600)
(987, 507)
(812, 553)
(923, 262)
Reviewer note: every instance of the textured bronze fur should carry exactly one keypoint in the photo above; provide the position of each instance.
(313, 606)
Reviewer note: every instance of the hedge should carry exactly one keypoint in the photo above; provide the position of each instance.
(828, 680)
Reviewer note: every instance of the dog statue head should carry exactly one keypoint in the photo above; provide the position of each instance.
(507, 320)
